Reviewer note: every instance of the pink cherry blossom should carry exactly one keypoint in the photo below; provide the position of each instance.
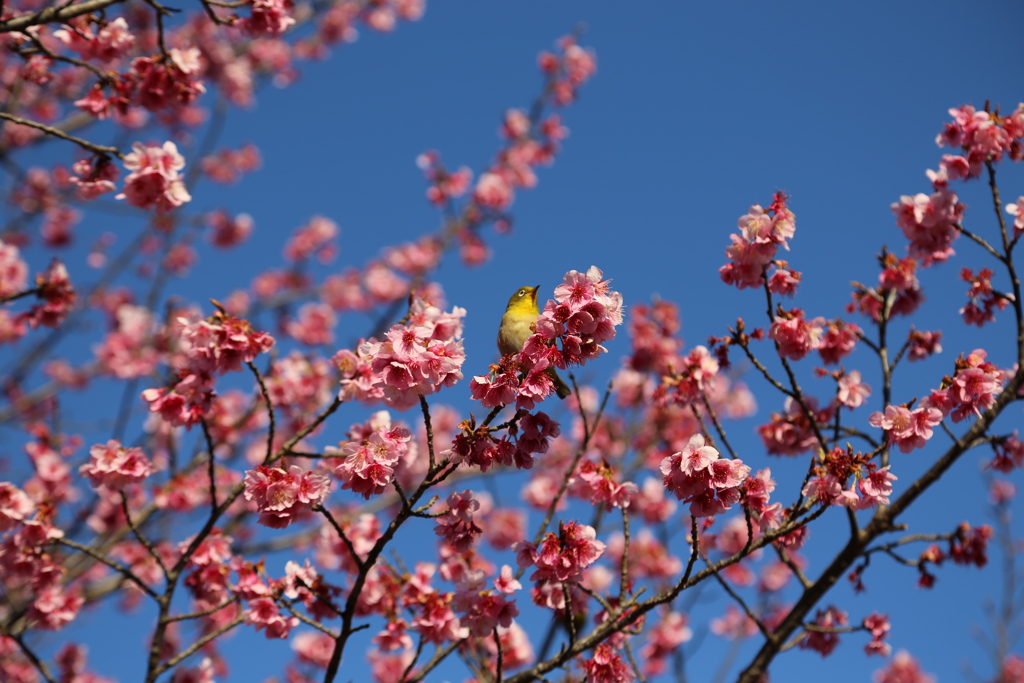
(110, 43)
(599, 484)
(482, 611)
(155, 180)
(418, 358)
(315, 238)
(794, 335)
(902, 669)
(115, 467)
(281, 496)
(264, 614)
(923, 344)
(55, 608)
(907, 429)
(561, 557)
(927, 221)
(493, 192)
(15, 506)
(852, 391)
(1016, 209)
(607, 667)
(824, 642)
(93, 179)
(369, 463)
(697, 476)
(456, 525)
(314, 325)
(58, 297)
(982, 299)
(838, 341)
(13, 270)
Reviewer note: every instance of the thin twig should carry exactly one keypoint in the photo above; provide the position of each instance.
(49, 130)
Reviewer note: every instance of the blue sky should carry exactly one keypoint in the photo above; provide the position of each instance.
(698, 110)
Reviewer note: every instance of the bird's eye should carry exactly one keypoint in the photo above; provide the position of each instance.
(522, 292)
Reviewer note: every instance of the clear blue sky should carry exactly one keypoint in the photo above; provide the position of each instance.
(698, 110)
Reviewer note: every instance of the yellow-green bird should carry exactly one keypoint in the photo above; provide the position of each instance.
(517, 326)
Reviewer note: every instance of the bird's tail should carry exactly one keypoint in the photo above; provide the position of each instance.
(561, 388)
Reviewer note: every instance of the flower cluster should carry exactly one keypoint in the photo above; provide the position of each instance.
(921, 344)
(756, 492)
(216, 345)
(268, 18)
(456, 526)
(94, 177)
(903, 669)
(663, 639)
(284, 496)
(444, 184)
(982, 299)
(13, 270)
(227, 165)
(607, 666)
(315, 238)
(908, 429)
(413, 360)
(15, 506)
(155, 180)
(692, 378)
(929, 223)
(128, 350)
(599, 484)
(264, 614)
(563, 556)
(480, 448)
(111, 42)
(754, 248)
(569, 70)
(582, 316)
(971, 390)
(792, 432)
(869, 484)
(371, 457)
(824, 641)
(482, 610)
(699, 477)
(794, 335)
(1009, 454)
(115, 467)
(838, 339)
(878, 626)
(898, 280)
(57, 295)
(226, 231)
(983, 136)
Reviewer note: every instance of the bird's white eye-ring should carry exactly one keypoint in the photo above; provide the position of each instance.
(522, 292)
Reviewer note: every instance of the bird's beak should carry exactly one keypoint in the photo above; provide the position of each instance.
(534, 293)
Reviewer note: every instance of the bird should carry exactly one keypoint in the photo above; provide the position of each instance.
(517, 325)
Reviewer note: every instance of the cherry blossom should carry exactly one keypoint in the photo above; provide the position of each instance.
(456, 524)
(155, 180)
(607, 667)
(852, 391)
(902, 669)
(282, 496)
(1016, 209)
(113, 466)
(795, 335)
(697, 475)
(15, 506)
(13, 270)
(369, 462)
